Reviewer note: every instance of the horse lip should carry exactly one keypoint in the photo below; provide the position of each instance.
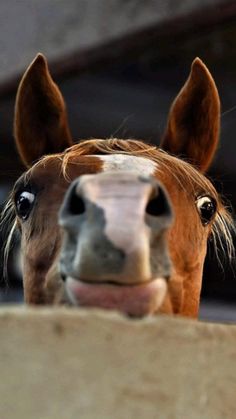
(113, 283)
(137, 300)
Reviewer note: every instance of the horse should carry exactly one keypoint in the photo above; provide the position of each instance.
(117, 224)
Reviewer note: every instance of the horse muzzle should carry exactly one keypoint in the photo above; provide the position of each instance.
(114, 252)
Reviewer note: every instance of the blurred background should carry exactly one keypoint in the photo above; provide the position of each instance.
(119, 64)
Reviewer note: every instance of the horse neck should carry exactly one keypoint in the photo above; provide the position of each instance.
(184, 294)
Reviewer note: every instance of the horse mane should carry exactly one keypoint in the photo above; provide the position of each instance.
(223, 225)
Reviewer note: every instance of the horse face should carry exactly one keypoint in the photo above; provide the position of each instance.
(134, 220)
(114, 252)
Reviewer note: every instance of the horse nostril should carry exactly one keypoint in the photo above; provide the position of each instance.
(159, 204)
(76, 205)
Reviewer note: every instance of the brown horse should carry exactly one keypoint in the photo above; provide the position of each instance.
(117, 224)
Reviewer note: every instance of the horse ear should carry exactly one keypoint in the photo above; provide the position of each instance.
(193, 125)
(40, 125)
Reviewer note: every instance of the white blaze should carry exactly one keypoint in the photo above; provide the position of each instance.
(140, 165)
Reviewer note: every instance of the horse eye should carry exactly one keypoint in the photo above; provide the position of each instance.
(24, 203)
(207, 208)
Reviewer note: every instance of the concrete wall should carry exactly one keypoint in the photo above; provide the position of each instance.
(59, 364)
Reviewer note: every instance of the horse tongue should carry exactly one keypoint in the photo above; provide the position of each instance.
(135, 300)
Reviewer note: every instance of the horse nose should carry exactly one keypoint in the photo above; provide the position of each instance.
(114, 229)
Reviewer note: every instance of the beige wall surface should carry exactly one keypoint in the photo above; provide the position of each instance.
(67, 363)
